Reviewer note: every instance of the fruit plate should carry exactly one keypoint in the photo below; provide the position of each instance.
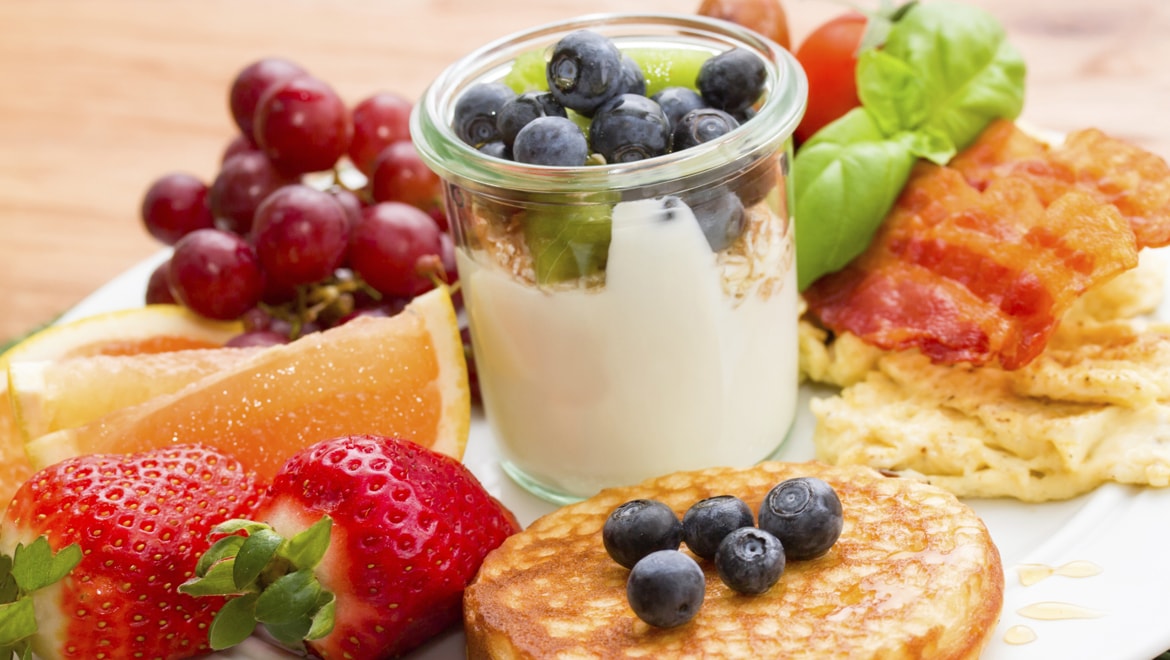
(1119, 529)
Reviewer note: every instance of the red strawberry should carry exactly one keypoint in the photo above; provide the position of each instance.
(135, 526)
(369, 545)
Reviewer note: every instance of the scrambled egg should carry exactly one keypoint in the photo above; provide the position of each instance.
(1094, 407)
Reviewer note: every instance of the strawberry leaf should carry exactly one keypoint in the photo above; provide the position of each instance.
(17, 621)
(234, 623)
(288, 599)
(36, 565)
(217, 581)
(292, 633)
(306, 549)
(254, 555)
(9, 590)
(236, 525)
(224, 548)
(324, 617)
(21, 650)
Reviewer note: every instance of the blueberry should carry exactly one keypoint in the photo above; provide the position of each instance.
(721, 217)
(584, 71)
(517, 112)
(744, 115)
(629, 128)
(805, 514)
(709, 520)
(638, 528)
(755, 184)
(732, 80)
(678, 101)
(551, 141)
(666, 588)
(633, 80)
(750, 560)
(699, 126)
(476, 111)
(496, 149)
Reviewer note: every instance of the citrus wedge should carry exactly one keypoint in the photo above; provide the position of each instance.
(403, 376)
(150, 329)
(50, 395)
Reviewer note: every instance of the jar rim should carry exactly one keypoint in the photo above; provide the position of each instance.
(786, 91)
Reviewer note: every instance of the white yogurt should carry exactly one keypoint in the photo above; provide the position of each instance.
(657, 371)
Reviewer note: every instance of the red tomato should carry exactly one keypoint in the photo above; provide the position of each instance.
(829, 58)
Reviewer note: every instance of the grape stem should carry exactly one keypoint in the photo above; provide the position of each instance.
(327, 301)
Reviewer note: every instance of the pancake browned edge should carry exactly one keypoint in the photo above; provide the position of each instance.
(914, 575)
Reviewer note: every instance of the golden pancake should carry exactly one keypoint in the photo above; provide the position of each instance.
(914, 575)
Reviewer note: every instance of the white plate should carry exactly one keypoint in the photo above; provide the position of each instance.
(1122, 530)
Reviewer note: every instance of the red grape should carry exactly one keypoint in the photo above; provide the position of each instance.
(242, 183)
(216, 274)
(472, 372)
(158, 287)
(378, 121)
(447, 256)
(387, 245)
(300, 234)
(440, 217)
(350, 203)
(286, 327)
(251, 83)
(450, 267)
(256, 318)
(385, 309)
(302, 125)
(401, 176)
(174, 206)
(240, 144)
(260, 338)
(276, 293)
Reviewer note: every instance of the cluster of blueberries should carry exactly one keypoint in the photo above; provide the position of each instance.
(589, 75)
(799, 519)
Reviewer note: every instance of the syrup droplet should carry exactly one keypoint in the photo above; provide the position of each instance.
(1054, 611)
(1017, 635)
(1032, 573)
(1079, 569)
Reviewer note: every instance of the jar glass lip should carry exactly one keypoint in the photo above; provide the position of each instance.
(786, 91)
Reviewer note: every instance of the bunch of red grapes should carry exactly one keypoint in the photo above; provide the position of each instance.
(319, 213)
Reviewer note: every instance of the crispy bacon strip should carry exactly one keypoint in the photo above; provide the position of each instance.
(975, 273)
(1128, 177)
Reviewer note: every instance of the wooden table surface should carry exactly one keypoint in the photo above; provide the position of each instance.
(97, 99)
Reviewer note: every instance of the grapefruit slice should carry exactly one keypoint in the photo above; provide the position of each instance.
(49, 395)
(403, 376)
(150, 329)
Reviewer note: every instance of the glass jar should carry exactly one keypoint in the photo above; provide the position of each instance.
(628, 319)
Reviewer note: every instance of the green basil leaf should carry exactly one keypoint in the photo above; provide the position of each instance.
(846, 179)
(971, 74)
(892, 91)
(929, 143)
